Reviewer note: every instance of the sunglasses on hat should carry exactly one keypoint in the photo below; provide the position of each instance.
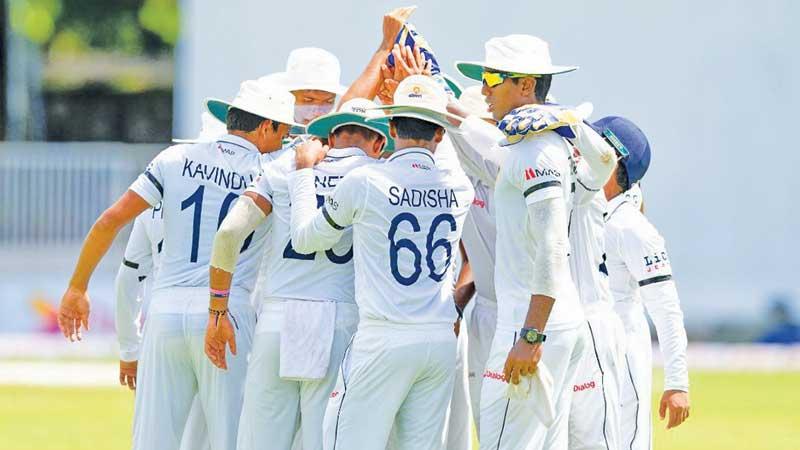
(614, 141)
(493, 79)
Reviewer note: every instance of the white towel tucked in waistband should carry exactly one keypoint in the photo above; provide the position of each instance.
(537, 390)
(306, 339)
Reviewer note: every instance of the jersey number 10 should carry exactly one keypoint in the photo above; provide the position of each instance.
(196, 199)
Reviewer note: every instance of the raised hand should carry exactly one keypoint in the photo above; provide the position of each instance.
(393, 22)
(309, 153)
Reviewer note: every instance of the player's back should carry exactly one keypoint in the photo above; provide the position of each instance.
(324, 275)
(198, 184)
(405, 237)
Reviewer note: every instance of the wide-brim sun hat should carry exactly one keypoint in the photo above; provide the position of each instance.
(311, 68)
(356, 111)
(269, 101)
(516, 53)
(454, 85)
(421, 97)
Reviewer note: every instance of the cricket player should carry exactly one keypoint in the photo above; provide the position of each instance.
(640, 275)
(196, 184)
(134, 282)
(308, 313)
(407, 216)
(478, 240)
(312, 75)
(535, 292)
(133, 286)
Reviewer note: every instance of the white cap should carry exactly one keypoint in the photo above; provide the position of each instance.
(267, 100)
(517, 53)
(475, 103)
(210, 130)
(421, 97)
(311, 68)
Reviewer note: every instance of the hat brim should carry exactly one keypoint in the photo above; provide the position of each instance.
(416, 112)
(453, 85)
(474, 69)
(219, 109)
(324, 125)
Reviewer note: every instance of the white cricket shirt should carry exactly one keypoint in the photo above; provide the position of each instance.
(197, 185)
(534, 169)
(640, 271)
(407, 216)
(322, 275)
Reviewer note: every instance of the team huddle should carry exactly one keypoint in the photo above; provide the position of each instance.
(297, 276)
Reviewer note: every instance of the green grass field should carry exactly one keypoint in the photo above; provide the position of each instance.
(729, 412)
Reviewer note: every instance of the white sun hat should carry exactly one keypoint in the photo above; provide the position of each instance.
(517, 53)
(475, 103)
(270, 101)
(311, 68)
(421, 97)
(210, 130)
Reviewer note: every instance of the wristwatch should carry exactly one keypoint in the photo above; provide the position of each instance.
(532, 335)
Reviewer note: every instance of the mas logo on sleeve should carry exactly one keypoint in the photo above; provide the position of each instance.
(531, 173)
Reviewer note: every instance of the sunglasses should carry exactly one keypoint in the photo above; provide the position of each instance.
(493, 79)
(612, 139)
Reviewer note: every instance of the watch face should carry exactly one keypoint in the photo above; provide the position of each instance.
(531, 336)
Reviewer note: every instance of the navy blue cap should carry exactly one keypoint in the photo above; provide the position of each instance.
(629, 141)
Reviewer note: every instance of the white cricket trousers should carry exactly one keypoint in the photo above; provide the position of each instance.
(174, 368)
(637, 379)
(595, 415)
(393, 376)
(481, 325)
(513, 424)
(274, 408)
(195, 433)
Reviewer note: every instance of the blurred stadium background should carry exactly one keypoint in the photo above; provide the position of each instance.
(90, 90)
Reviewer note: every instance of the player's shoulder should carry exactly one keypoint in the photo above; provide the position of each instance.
(631, 225)
(175, 152)
(280, 164)
(546, 148)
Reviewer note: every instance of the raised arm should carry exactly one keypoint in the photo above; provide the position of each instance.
(369, 82)
(477, 149)
(319, 229)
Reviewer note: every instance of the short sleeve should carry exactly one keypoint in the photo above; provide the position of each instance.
(645, 255)
(263, 186)
(150, 184)
(540, 174)
(344, 206)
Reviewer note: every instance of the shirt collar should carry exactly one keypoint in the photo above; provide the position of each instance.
(229, 140)
(614, 204)
(415, 153)
(345, 152)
